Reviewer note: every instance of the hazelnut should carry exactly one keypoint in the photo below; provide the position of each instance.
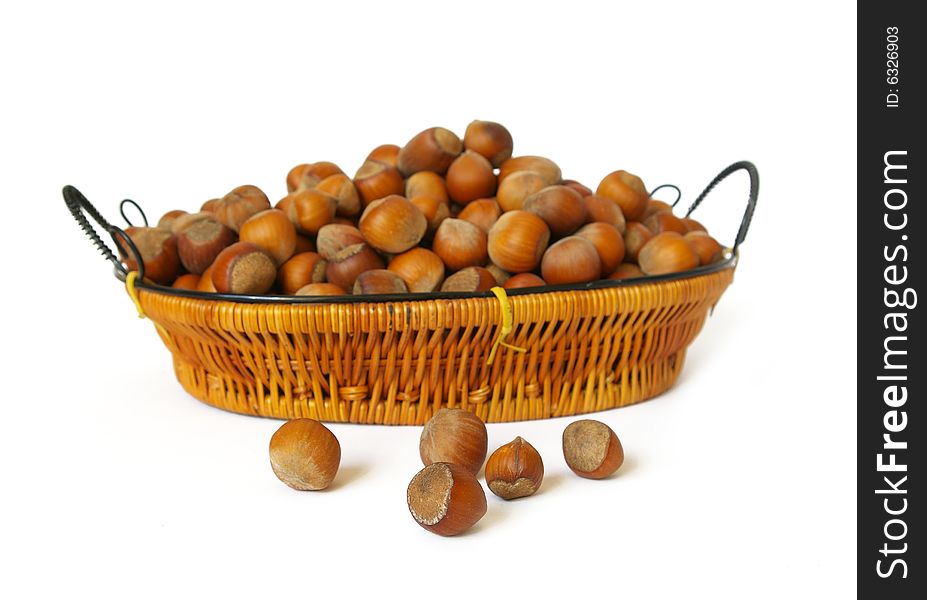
(491, 140)
(659, 222)
(654, 206)
(626, 271)
(303, 244)
(295, 176)
(387, 153)
(431, 150)
(426, 183)
(301, 270)
(320, 289)
(518, 186)
(471, 279)
(210, 205)
(341, 188)
(635, 236)
(422, 270)
(239, 205)
(158, 250)
(273, 231)
(470, 177)
(187, 281)
(544, 167)
(379, 281)
(187, 220)
(523, 280)
(168, 218)
(608, 243)
(514, 470)
(334, 237)
(435, 211)
(446, 499)
(455, 436)
(201, 241)
(693, 225)
(666, 253)
(205, 283)
(344, 266)
(460, 244)
(500, 275)
(592, 449)
(571, 260)
(483, 213)
(375, 180)
(243, 268)
(305, 454)
(577, 187)
(307, 176)
(517, 241)
(603, 210)
(559, 206)
(706, 247)
(310, 210)
(628, 191)
(392, 224)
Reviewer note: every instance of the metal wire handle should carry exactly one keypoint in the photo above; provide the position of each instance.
(750, 168)
(78, 204)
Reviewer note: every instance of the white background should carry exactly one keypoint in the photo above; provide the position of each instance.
(739, 482)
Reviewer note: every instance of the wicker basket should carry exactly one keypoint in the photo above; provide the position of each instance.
(531, 354)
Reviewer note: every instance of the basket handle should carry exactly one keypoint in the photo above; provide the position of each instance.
(78, 204)
(750, 168)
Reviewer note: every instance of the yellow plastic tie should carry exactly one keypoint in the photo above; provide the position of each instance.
(133, 292)
(507, 325)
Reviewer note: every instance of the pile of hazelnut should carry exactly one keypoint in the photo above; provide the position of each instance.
(446, 497)
(438, 214)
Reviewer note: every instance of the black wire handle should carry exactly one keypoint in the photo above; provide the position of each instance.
(750, 168)
(122, 211)
(671, 186)
(78, 205)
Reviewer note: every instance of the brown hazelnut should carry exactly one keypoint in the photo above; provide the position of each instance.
(310, 210)
(628, 191)
(387, 153)
(666, 253)
(608, 243)
(661, 221)
(200, 241)
(379, 281)
(559, 206)
(514, 470)
(626, 271)
(295, 176)
(375, 180)
(239, 205)
(523, 280)
(544, 167)
(471, 279)
(344, 267)
(500, 275)
(320, 289)
(517, 241)
(435, 211)
(273, 231)
(244, 268)
(470, 177)
(518, 186)
(455, 436)
(635, 236)
(592, 449)
(654, 206)
(392, 224)
(693, 225)
(341, 188)
(603, 210)
(426, 183)
(187, 281)
(303, 244)
(301, 270)
(158, 249)
(446, 499)
(460, 244)
(483, 213)
(168, 218)
(210, 205)
(205, 283)
(305, 454)
(431, 150)
(577, 186)
(307, 176)
(421, 269)
(706, 247)
(184, 221)
(491, 140)
(334, 237)
(571, 260)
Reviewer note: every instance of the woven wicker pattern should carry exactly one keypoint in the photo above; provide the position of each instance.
(399, 362)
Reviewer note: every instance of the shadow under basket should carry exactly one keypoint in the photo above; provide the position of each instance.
(396, 360)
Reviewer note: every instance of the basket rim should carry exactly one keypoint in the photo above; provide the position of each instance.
(729, 262)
